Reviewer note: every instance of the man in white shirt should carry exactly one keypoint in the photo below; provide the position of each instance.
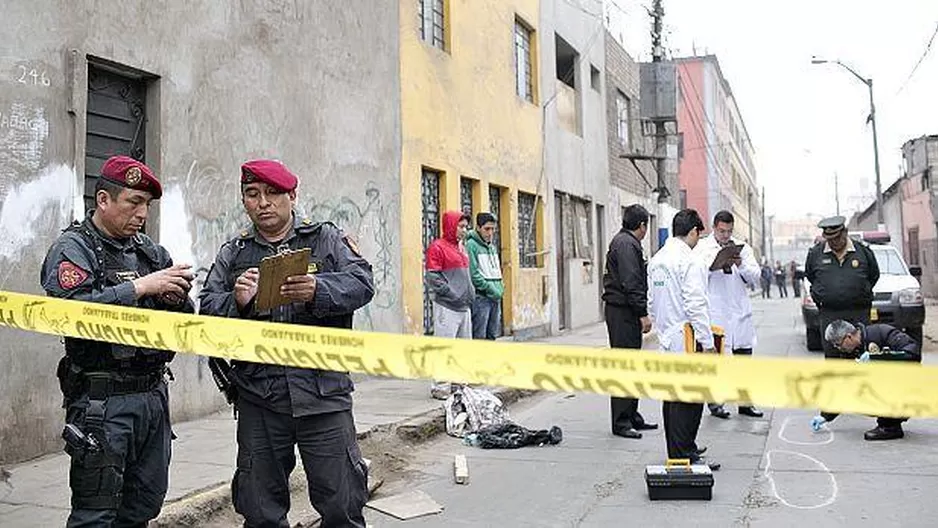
(677, 295)
(728, 291)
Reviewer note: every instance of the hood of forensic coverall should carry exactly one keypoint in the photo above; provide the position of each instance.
(451, 226)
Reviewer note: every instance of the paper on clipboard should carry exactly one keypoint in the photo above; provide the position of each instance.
(274, 271)
(726, 255)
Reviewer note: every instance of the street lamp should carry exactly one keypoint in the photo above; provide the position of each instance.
(872, 120)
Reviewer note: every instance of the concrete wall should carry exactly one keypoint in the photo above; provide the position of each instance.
(462, 116)
(314, 84)
(576, 164)
(917, 213)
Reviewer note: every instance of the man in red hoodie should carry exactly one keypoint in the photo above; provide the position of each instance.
(450, 285)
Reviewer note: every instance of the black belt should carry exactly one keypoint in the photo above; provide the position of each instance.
(100, 385)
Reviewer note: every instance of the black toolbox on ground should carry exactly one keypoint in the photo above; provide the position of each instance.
(679, 480)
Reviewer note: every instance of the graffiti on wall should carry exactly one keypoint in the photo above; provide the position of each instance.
(33, 193)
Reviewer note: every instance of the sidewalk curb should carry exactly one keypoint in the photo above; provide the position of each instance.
(194, 509)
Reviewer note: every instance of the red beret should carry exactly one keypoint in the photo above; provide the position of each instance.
(271, 172)
(132, 174)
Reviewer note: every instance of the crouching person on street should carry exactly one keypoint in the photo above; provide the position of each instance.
(282, 408)
(878, 342)
(117, 405)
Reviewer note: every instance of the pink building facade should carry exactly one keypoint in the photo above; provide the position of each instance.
(717, 166)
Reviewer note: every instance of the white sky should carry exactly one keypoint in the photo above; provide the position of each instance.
(808, 121)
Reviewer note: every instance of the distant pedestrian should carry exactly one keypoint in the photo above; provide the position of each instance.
(796, 277)
(766, 281)
(780, 279)
(450, 285)
(486, 272)
(625, 292)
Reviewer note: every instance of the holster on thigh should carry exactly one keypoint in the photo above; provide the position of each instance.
(96, 479)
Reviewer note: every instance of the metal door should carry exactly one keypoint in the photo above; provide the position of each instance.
(495, 207)
(430, 213)
(465, 197)
(116, 123)
(561, 268)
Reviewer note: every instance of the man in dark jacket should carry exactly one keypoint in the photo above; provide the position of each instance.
(115, 394)
(878, 342)
(842, 273)
(282, 408)
(625, 292)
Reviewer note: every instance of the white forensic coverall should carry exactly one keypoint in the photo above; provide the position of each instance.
(728, 294)
(677, 294)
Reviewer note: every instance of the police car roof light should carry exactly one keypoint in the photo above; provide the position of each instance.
(871, 237)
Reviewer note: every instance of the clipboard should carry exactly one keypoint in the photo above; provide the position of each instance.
(274, 271)
(726, 254)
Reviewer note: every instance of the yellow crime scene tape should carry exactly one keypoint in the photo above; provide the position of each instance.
(882, 389)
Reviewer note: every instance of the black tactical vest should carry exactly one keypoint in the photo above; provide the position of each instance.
(110, 270)
(248, 254)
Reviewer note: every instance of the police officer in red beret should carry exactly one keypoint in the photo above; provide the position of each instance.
(117, 418)
(282, 408)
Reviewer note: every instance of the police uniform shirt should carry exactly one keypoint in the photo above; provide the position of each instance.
(344, 283)
(842, 284)
(84, 264)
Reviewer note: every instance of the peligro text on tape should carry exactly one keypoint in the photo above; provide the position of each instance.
(837, 386)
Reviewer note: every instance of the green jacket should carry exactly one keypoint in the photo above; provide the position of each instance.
(484, 267)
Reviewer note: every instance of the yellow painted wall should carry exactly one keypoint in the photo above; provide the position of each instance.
(461, 115)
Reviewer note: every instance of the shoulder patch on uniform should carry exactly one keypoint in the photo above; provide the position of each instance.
(70, 276)
(352, 244)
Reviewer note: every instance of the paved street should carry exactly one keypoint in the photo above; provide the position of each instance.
(775, 471)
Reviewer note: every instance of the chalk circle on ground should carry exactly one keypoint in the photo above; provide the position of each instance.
(823, 501)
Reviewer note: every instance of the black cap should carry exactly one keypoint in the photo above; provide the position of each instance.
(833, 223)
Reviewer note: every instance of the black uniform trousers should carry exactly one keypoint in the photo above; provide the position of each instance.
(124, 484)
(625, 331)
(861, 316)
(336, 476)
(681, 423)
(736, 352)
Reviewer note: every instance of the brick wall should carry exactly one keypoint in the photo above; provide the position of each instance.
(622, 75)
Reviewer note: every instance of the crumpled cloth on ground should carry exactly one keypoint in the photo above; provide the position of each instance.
(510, 435)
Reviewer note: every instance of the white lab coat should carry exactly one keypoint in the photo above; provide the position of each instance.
(730, 306)
(677, 294)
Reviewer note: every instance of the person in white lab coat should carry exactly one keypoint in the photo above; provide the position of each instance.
(677, 295)
(728, 291)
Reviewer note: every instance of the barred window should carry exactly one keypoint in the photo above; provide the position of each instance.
(527, 230)
(523, 79)
(433, 22)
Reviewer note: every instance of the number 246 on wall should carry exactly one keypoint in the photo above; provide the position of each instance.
(32, 76)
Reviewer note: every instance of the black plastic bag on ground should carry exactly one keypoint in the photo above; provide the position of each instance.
(510, 435)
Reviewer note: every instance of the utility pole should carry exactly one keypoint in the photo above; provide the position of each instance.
(661, 133)
(764, 252)
(837, 192)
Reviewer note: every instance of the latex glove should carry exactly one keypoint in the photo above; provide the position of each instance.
(817, 422)
(864, 357)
